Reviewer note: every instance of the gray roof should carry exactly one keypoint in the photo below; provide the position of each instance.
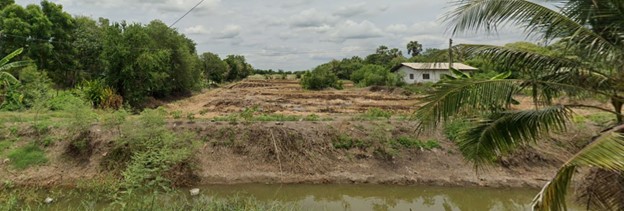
(437, 66)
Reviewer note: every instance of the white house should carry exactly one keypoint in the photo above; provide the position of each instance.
(427, 72)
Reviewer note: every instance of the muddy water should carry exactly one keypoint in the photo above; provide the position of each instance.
(382, 197)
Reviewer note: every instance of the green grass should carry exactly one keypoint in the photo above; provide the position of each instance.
(27, 156)
(5, 145)
(346, 142)
(410, 143)
(454, 129)
(601, 118)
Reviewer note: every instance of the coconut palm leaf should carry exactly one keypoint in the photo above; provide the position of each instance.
(605, 153)
(602, 190)
(537, 20)
(461, 96)
(502, 132)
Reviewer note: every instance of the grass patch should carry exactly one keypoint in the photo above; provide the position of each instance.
(410, 143)
(374, 114)
(27, 156)
(347, 142)
(601, 118)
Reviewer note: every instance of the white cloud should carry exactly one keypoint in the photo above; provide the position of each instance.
(352, 10)
(230, 31)
(397, 28)
(311, 18)
(354, 30)
(197, 29)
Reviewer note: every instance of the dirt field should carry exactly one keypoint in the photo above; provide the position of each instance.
(287, 97)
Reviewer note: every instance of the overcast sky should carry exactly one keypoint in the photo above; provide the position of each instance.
(293, 34)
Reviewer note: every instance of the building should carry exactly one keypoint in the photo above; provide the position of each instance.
(427, 72)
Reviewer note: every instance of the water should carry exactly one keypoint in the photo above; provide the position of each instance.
(382, 197)
(361, 197)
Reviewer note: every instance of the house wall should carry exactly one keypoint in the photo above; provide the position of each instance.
(435, 75)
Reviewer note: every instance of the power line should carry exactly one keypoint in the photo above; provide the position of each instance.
(174, 23)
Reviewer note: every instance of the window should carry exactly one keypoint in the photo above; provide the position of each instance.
(426, 76)
(411, 76)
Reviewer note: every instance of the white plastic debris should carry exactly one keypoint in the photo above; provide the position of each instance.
(194, 191)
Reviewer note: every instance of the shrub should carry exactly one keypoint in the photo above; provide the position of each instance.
(34, 85)
(100, 95)
(64, 101)
(24, 157)
(375, 75)
(455, 128)
(320, 78)
(407, 142)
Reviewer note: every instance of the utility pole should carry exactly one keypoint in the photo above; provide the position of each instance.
(450, 50)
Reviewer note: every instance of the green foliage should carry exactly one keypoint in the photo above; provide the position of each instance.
(414, 48)
(320, 78)
(409, 143)
(177, 114)
(454, 129)
(420, 88)
(33, 85)
(100, 95)
(64, 101)
(375, 75)
(27, 156)
(238, 68)
(385, 57)
(601, 118)
(148, 151)
(214, 68)
(344, 141)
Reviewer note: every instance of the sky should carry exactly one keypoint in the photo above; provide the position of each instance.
(294, 34)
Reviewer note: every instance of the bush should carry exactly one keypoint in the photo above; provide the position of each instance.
(375, 114)
(407, 142)
(454, 129)
(375, 75)
(34, 85)
(320, 78)
(100, 95)
(64, 101)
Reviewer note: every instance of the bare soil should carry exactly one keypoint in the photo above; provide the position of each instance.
(287, 97)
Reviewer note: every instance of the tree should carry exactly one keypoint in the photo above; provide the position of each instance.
(320, 78)
(375, 75)
(238, 67)
(593, 64)
(414, 48)
(383, 56)
(6, 3)
(214, 68)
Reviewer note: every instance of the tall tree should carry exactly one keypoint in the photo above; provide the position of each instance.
(414, 48)
(214, 68)
(6, 3)
(593, 29)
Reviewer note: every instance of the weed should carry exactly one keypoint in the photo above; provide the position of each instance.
(312, 118)
(275, 118)
(190, 116)
(203, 111)
(248, 113)
(176, 114)
(602, 119)
(24, 157)
(410, 143)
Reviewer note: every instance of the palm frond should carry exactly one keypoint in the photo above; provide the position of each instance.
(537, 20)
(531, 61)
(461, 96)
(503, 132)
(602, 190)
(7, 58)
(606, 152)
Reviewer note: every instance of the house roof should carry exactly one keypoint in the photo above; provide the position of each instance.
(435, 66)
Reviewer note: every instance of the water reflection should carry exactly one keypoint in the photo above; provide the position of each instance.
(383, 197)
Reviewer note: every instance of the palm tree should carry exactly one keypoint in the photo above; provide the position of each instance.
(414, 48)
(590, 34)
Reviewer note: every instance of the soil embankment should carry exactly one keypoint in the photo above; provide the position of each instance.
(307, 152)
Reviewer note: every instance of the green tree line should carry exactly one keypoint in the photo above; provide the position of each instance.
(136, 61)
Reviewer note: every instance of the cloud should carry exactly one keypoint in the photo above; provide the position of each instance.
(311, 18)
(352, 10)
(230, 31)
(164, 6)
(197, 29)
(397, 28)
(353, 30)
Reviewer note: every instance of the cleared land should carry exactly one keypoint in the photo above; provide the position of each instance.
(288, 98)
